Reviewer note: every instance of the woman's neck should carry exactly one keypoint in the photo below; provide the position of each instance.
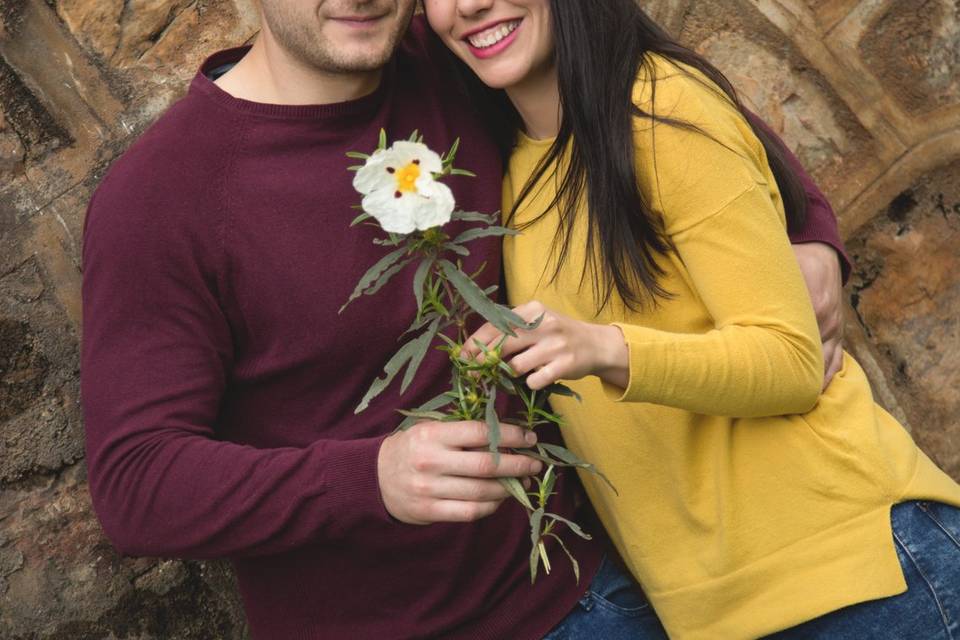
(537, 100)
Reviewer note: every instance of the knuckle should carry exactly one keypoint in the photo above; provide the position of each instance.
(421, 463)
(477, 492)
(466, 513)
(486, 466)
(422, 432)
(420, 487)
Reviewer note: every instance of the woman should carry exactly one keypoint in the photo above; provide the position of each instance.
(654, 243)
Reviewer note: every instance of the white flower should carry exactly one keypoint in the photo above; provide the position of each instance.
(399, 189)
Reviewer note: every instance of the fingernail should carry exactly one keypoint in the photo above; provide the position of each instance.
(531, 438)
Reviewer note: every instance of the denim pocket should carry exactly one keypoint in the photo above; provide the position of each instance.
(946, 517)
(615, 590)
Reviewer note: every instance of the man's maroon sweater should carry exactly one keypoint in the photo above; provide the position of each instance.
(219, 381)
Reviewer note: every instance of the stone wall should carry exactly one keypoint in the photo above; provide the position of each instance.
(866, 91)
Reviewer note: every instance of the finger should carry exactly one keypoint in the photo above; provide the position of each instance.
(831, 326)
(533, 358)
(544, 376)
(463, 435)
(486, 335)
(833, 357)
(460, 488)
(473, 464)
(530, 311)
(460, 511)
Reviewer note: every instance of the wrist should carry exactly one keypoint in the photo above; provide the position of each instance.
(612, 363)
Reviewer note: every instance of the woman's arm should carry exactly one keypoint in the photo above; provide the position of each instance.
(762, 358)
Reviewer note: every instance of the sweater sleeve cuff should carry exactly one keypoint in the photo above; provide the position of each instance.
(353, 482)
(632, 335)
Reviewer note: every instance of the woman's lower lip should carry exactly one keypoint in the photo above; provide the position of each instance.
(489, 52)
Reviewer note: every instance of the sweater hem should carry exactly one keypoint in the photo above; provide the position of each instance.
(853, 562)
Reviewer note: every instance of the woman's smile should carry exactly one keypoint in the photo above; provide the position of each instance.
(487, 42)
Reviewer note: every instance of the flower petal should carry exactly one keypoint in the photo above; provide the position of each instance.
(374, 175)
(395, 215)
(407, 151)
(435, 206)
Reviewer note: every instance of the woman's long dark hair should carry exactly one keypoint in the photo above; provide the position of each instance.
(622, 225)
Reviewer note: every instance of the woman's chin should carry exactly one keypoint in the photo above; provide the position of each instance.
(498, 80)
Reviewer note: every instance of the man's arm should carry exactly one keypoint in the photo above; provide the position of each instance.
(822, 257)
(156, 357)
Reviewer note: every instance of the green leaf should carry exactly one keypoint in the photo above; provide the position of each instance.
(515, 489)
(391, 369)
(552, 417)
(561, 390)
(493, 423)
(573, 561)
(570, 523)
(534, 563)
(360, 218)
(422, 345)
(375, 272)
(536, 519)
(441, 400)
(499, 316)
(452, 153)
(382, 144)
(418, 279)
(548, 482)
(423, 415)
(420, 323)
(475, 216)
(357, 155)
(483, 232)
(386, 276)
(563, 457)
(457, 249)
(414, 137)
(462, 172)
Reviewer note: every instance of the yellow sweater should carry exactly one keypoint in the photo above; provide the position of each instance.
(748, 502)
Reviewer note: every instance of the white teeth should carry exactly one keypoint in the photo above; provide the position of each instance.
(493, 35)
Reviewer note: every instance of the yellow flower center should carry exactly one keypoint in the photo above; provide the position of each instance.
(407, 177)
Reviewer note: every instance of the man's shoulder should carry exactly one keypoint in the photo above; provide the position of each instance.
(165, 185)
(177, 157)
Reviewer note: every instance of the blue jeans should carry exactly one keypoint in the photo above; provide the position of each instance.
(614, 608)
(927, 538)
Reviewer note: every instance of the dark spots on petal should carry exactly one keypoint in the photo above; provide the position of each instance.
(397, 195)
(391, 170)
(416, 162)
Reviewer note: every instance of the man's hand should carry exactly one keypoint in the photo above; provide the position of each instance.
(821, 269)
(429, 474)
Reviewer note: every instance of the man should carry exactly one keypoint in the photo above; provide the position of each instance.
(219, 381)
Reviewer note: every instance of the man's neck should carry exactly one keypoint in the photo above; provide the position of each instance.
(270, 75)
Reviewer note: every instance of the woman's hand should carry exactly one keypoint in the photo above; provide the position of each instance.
(559, 348)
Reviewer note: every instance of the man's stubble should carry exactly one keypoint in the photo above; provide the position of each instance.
(296, 28)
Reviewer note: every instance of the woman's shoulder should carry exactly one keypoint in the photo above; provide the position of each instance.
(695, 151)
(669, 89)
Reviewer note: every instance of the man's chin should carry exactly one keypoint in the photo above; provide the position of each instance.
(362, 61)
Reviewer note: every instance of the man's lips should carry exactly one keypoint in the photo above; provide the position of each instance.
(359, 21)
